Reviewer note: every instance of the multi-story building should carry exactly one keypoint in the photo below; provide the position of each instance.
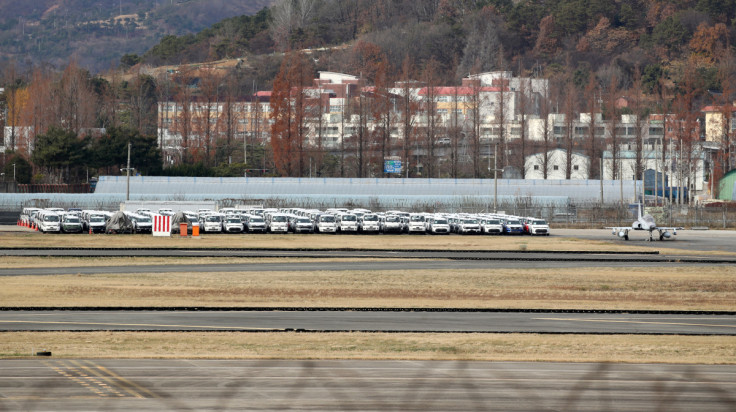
(342, 111)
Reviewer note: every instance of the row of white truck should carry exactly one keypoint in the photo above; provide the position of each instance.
(74, 220)
(298, 220)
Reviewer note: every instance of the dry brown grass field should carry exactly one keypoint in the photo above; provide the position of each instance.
(410, 346)
(701, 288)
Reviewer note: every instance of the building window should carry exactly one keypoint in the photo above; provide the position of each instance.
(575, 167)
(555, 167)
(536, 167)
(656, 131)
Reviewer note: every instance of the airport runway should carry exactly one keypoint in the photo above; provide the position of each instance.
(369, 321)
(154, 385)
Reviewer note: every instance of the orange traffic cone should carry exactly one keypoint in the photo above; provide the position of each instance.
(36, 226)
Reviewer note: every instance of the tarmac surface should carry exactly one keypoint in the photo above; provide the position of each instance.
(370, 321)
(355, 385)
(188, 384)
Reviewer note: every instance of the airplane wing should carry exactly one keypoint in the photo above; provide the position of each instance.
(620, 231)
(664, 232)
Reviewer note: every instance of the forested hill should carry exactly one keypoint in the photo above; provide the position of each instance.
(99, 32)
(463, 36)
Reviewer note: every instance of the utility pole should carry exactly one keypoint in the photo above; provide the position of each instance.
(601, 180)
(127, 171)
(621, 180)
(495, 177)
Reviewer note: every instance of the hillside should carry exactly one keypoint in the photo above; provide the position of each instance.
(99, 32)
(584, 38)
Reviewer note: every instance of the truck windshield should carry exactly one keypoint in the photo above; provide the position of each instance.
(328, 219)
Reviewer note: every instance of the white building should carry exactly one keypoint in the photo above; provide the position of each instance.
(556, 166)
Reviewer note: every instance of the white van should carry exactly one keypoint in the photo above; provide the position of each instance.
(326, 224)
(347, 222)
(278, 223)
(369, 223)
(416, 223)
(49, 221)
(213, 223)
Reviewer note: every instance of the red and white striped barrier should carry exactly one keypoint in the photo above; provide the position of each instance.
(161, 225)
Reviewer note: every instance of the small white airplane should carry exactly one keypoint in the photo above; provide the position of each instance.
(645, 222)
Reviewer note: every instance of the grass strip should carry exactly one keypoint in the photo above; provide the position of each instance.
(321, 241)
(408, 346)
(636, 288)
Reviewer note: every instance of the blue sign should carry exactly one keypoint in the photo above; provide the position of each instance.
(392, 166)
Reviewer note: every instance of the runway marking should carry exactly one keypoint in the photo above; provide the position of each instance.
(638, 322)
(78, 376)
(133, 324)
(125, 381)
(109, 380)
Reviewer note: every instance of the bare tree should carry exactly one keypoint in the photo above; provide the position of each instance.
(408, 108)
(430, 111)
(454, 130)
(382, 110)
(14, 100)
(206, 113)
(612, 95)
(593, 151)
(569, 105)
(725, 75)
(183, 119)
(639, 124)
(524, 104)
(544, 113)
(288, 16)
(75, 100)
(475, 103)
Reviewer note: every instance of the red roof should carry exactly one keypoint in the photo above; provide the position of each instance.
(713, 108)
(265, 93)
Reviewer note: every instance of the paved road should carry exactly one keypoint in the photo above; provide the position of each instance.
(386, 321)
(153, 385)
(690, 240)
